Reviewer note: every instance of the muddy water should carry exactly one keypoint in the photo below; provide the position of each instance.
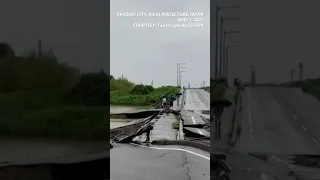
(122, 109)
(25, 151)
(35, 150)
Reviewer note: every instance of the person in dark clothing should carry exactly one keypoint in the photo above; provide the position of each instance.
(149, 129)
(171, 102)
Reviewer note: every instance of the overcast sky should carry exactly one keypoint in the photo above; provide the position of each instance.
(275, 36)
(75, 29)
(146, 54)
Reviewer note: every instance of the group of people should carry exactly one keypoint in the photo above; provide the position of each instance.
(165, 103)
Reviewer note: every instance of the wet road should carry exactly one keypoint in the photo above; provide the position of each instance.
(197, 100)
(279, 120)
(165, 163)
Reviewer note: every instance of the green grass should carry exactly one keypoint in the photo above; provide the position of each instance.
(33, 99)
(121, 97)
(311, 86)
(175, 125)
(66, 122)
(46, 114)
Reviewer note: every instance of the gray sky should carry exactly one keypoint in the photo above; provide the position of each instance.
(275, 35)
(75, 29)
(146, 54)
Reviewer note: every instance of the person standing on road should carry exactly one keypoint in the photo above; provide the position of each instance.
(149, 129)
(171, 103)
(164, 102)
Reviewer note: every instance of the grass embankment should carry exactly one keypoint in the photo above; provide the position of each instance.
(124, 92)
(44, 98)
(217, 90)
(176, 125)
(47, 115)
(311, 86)
(207, 89)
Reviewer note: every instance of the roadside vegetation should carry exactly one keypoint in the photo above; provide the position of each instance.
(124, 92)
(311, 86)
(45, 98)
(207, 89)
(176, 125)
(217, 90)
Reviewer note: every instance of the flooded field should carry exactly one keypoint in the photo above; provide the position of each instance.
(114, 123)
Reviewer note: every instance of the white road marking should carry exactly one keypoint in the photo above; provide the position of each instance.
(194, 122)
(304, 128)
(249, 110)
(199, 131)
(282, 161)
(315, 140)
(263, 176)
(294, 117)
(175, 149)
(293, 167)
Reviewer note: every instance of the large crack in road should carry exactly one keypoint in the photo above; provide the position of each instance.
(186, 166)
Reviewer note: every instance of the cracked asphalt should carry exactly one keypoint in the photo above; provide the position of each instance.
(164, 162)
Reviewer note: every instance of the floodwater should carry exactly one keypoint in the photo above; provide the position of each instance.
(114, 123)
(25, 151)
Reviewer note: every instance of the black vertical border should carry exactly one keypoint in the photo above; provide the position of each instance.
(108, 166)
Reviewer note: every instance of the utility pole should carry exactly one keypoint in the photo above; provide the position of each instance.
(204, 84)
(300, 71)
(218, 8)
(188, 85)
(152, 83)
(222, 45)
(179, 73)
(253, 75)
(122, 76)
(39, 49)
(225, 34)
(292, 71)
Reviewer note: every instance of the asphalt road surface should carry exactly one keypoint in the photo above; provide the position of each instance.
(278, 121)
(197, 100)
(131, 162)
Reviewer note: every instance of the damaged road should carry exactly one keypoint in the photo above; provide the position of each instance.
(158, 162)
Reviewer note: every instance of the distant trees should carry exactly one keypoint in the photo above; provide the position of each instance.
(6, 50)
(27, 73)
(91, 90)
